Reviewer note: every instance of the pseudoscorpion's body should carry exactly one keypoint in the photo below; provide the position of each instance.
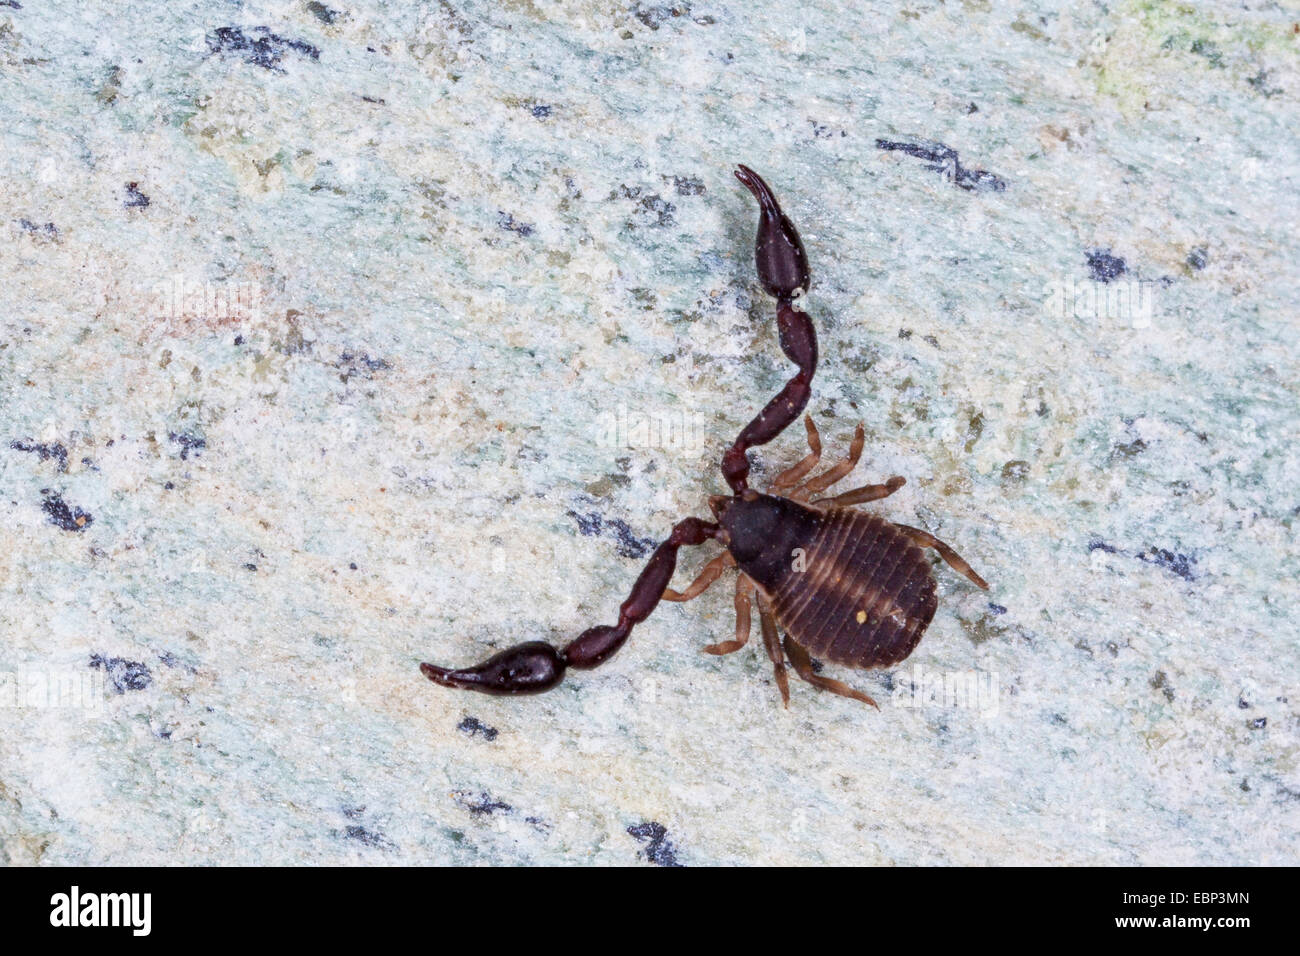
(864, 597)
(847, 586)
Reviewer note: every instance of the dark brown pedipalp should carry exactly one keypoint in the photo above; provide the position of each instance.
(783, 270)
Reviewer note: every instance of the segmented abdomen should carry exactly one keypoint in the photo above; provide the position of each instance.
(865, 595)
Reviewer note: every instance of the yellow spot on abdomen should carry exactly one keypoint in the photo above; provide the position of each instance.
(862, 617)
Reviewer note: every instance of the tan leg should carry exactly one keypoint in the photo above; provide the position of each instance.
(744, 588)
(955, 561)
(712, 571)
(861, 495)
(832, 475)
(772, 640)
(803, 666)
(793, 475)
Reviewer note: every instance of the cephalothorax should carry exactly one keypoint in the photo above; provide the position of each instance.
(845, 585)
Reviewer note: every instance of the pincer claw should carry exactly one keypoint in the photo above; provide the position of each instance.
(528, 668)
(778, 250)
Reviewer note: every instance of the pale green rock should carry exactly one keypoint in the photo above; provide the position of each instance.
(440, 268)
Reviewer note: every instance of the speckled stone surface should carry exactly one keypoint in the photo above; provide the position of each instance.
(338, 337)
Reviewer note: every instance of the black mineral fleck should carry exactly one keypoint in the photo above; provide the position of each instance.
(44, 450)
(259, 47)
(945, 161)
(473, 727)
(62, 515)
(629, 545)
(659, 850)
(125, 675)
(1104, 267)
(135, 199)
